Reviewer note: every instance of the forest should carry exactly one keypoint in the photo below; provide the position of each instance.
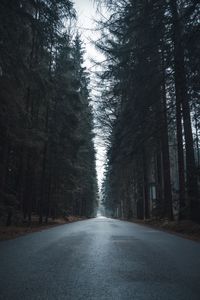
(47, 150)
(146, 111)
(149, 108)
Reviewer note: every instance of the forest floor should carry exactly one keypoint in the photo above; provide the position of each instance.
(11, 232)
(186, 228)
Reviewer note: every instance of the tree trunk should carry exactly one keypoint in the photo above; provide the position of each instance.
(145, 187)
(182, 99)
(165, 151)
(9, 217)
(6, 151)
(22, 194)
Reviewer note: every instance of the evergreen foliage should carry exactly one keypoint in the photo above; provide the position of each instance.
(151, 75)
(46, 138)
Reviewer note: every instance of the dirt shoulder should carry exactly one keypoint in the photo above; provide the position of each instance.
(186, 229)
(11, 232)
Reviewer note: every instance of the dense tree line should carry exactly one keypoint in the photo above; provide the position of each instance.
(149, 108)
(46, 124)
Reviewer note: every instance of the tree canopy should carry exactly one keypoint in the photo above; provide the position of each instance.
(47, 150)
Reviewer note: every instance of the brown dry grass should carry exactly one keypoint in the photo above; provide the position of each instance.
(11, 232)
(186, 228)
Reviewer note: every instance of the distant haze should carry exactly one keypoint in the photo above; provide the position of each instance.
(86, 14)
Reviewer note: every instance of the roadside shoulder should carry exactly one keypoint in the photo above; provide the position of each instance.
(12, 232)
(186, 228)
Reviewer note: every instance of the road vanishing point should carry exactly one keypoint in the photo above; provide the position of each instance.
(100, 259)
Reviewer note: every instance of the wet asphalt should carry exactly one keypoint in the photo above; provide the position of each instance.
(100, 259)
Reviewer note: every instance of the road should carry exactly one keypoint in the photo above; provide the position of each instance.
(100, 259)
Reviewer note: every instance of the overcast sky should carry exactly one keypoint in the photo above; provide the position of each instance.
(86, 13)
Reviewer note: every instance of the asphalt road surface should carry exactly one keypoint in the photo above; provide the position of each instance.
(100, 259)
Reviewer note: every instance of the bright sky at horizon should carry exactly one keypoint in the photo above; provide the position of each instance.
(87, 14)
